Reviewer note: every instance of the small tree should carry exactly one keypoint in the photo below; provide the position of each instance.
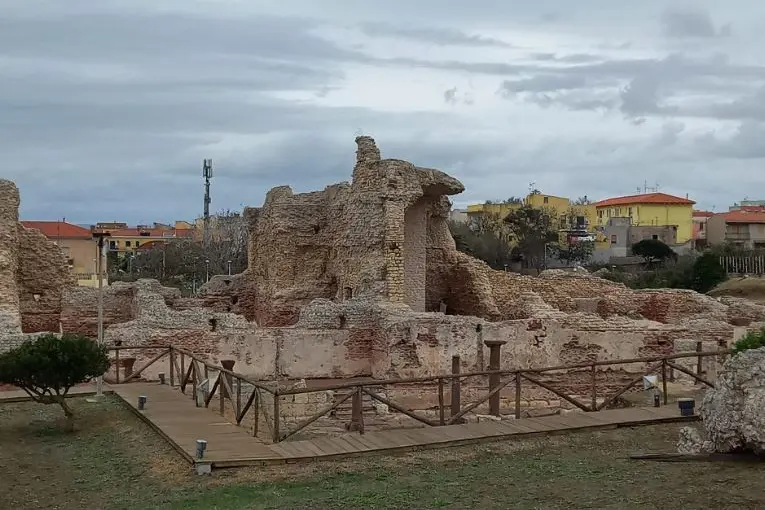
(577, 251)
(707, 273)
(652, 250)
(532, 229)
(48, 367)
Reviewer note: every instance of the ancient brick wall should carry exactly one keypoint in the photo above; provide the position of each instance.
(79, 308)
(43, 275)
(369, 235)
(10, 316)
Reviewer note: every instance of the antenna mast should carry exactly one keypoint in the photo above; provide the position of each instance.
(207, 173)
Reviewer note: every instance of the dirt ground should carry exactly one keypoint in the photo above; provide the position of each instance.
(750, 288)
(114, 461)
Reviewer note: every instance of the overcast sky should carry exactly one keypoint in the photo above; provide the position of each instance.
(108, 107)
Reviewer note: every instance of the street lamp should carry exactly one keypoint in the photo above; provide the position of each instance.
(99, 237)
(229, 268)
(207, 270)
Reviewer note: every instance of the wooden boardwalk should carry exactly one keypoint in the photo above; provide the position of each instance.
(174, 416)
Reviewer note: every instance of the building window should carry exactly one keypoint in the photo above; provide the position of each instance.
(630, 212)
(655, 237)
(127, 244)
(701, 227)
(546, 200)
(136, 244)
(112, 245)
(613, 239)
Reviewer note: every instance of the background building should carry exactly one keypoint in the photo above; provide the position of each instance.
(77, 244)
(650, 210)
(740, 228)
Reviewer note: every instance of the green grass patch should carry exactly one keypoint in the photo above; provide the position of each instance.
(114, 461)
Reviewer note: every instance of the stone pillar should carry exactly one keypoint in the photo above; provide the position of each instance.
(394, 251)
(10, 316)
(495, 359)
(367, 151)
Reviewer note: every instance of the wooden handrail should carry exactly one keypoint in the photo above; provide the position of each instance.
(434, 378)
(197, 366)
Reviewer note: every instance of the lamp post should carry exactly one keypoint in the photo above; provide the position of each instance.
(229, 268)
(207, 270)
(99, 237)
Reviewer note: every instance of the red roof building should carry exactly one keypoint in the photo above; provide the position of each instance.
(646, 198)
(58, 229)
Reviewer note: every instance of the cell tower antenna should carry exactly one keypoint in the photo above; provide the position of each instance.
(207, 173)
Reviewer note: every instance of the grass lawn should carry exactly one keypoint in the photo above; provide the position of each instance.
(113, 461)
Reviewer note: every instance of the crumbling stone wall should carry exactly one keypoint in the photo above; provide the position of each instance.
(371, 233)
(33, 272)
(10, 316)
(43, 276)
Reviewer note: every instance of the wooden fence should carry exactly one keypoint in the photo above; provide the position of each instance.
(752, 264)
(190, 370)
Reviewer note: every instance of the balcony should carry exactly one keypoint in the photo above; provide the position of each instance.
(737, 236)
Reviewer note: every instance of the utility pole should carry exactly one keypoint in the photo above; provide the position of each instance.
(207, 173)
(99, 236)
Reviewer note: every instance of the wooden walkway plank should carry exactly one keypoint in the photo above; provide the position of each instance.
(175, 417)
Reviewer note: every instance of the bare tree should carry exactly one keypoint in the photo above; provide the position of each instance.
(186, 263)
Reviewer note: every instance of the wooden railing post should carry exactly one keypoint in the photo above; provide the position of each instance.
(117, 364)
(455, 400)
(239, 395)
(183, 366)
(517, 395)
(594, 382)
(172, 367)
(441, 418)
(699, 365)
(193, 367)
(495, 358)
(228, 364)
(664, 380)
(357, 410)
(256, 407)
(222, 392)
(276, 418)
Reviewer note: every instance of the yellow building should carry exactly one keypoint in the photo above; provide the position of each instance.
(124, 239)
(76, 243)
(569, 215)
(497, 209)
(650, 209)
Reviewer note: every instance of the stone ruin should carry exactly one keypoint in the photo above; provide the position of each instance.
(363, 279)
(732, 413)
(33, 276)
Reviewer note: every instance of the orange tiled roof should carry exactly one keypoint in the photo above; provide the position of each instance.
(58, 229)
(153, 232)
(703, 214)
(744, 217)
(647, 198)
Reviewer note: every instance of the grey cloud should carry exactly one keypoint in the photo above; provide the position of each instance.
(691, 21)
(450, 95)
(543, 82)
(746, 142)
(135, 38)
(433, 35)
(670, 132)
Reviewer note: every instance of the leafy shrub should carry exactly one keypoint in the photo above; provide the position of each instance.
(752, 340)
(47, 367)
(707, 273)
(653, 250)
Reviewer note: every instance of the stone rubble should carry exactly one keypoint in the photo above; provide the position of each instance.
(732, 413)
